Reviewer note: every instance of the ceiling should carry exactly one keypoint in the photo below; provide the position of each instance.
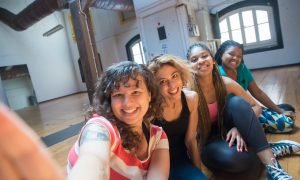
(213, 5)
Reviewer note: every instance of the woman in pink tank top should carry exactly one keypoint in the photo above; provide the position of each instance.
(233, 119)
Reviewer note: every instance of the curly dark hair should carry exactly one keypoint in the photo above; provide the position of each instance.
(111, 80)
(224, 46)
(221, 93)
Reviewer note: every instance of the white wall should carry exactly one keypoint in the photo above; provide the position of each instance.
(111, 36)
(47, 58)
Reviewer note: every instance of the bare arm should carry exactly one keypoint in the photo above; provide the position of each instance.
(160, 165)
(94, 153)
(190, 137)
(262, 97)
(22, 155)
(234, 88)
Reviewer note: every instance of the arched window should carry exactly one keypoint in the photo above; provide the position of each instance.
(134, 49)
(253, 25)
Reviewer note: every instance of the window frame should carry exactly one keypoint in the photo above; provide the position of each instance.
(273, 19)
(136, 39)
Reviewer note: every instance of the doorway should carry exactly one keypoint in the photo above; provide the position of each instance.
(17, 89)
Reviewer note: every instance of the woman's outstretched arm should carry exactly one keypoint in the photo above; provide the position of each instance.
(22, 155)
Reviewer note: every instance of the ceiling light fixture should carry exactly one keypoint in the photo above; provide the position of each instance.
(53, 30)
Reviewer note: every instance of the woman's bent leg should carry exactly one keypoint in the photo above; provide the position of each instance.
(218, 156)
(239, 114)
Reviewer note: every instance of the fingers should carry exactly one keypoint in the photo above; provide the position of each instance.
(241, 145)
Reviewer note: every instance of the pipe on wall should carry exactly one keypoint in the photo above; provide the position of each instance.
(31, 14)
(39, 9)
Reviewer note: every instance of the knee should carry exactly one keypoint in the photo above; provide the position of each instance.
(217, 156)
(237, 103)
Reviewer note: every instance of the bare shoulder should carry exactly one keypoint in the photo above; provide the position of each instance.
(227, 80)
(191, 98)
(231, 85)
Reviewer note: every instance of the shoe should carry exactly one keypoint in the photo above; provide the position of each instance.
(284, 147)
(286, 107)
(275, 172)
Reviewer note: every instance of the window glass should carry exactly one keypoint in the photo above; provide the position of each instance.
(247, 18)
(224, 36)
(264, 32)
(237, 36)
(223, 26)
(261, 16)
(250, 34)
(234, 22)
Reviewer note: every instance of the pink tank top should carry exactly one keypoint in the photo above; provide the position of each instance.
(213, 111)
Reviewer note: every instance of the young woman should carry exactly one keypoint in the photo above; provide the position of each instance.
(228, 118)
(180, 115)
(230, 60)
(118, 142)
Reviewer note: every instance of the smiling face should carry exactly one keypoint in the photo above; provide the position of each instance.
(169, 81)
(201, 61)
(232, 57)
(131, 101)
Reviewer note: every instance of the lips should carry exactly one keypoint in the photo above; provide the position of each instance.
(233, 63)
(129, 111)
(174, 91)
(203, 67)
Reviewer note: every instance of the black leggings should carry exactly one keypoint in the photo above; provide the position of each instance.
(217, 155)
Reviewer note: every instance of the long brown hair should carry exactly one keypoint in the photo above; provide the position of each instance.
(204, 124)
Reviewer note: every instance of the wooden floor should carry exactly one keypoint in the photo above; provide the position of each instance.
(281, 84)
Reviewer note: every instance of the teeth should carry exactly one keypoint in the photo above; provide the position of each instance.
(129, 110)
(173, 91)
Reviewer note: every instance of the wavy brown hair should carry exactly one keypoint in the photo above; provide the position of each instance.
(204, 124)
(181, 65)
(111, 80)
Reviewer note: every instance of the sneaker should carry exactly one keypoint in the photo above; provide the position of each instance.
(284, 147)
(275, 172)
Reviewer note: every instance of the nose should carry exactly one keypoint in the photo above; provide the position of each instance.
(200, 60)
(127, 100)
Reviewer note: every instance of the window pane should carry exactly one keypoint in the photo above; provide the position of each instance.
(136, 49)
(142, 51)
(223, 26)
(261, 16)
(264, 32)
(250, 34)
(224, 36)
(247, 18)
(237, 36)
(138, 59)
(234, 22)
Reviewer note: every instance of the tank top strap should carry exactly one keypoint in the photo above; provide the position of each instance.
(185, 108)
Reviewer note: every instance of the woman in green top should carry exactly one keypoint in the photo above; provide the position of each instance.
(230, 60)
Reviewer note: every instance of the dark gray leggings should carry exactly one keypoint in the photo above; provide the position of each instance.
(217, 155)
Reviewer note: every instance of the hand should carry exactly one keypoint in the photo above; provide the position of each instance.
(233, 135)
(290, 114)
(257, 110)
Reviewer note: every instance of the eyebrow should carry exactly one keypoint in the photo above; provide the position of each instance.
(176, 71)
